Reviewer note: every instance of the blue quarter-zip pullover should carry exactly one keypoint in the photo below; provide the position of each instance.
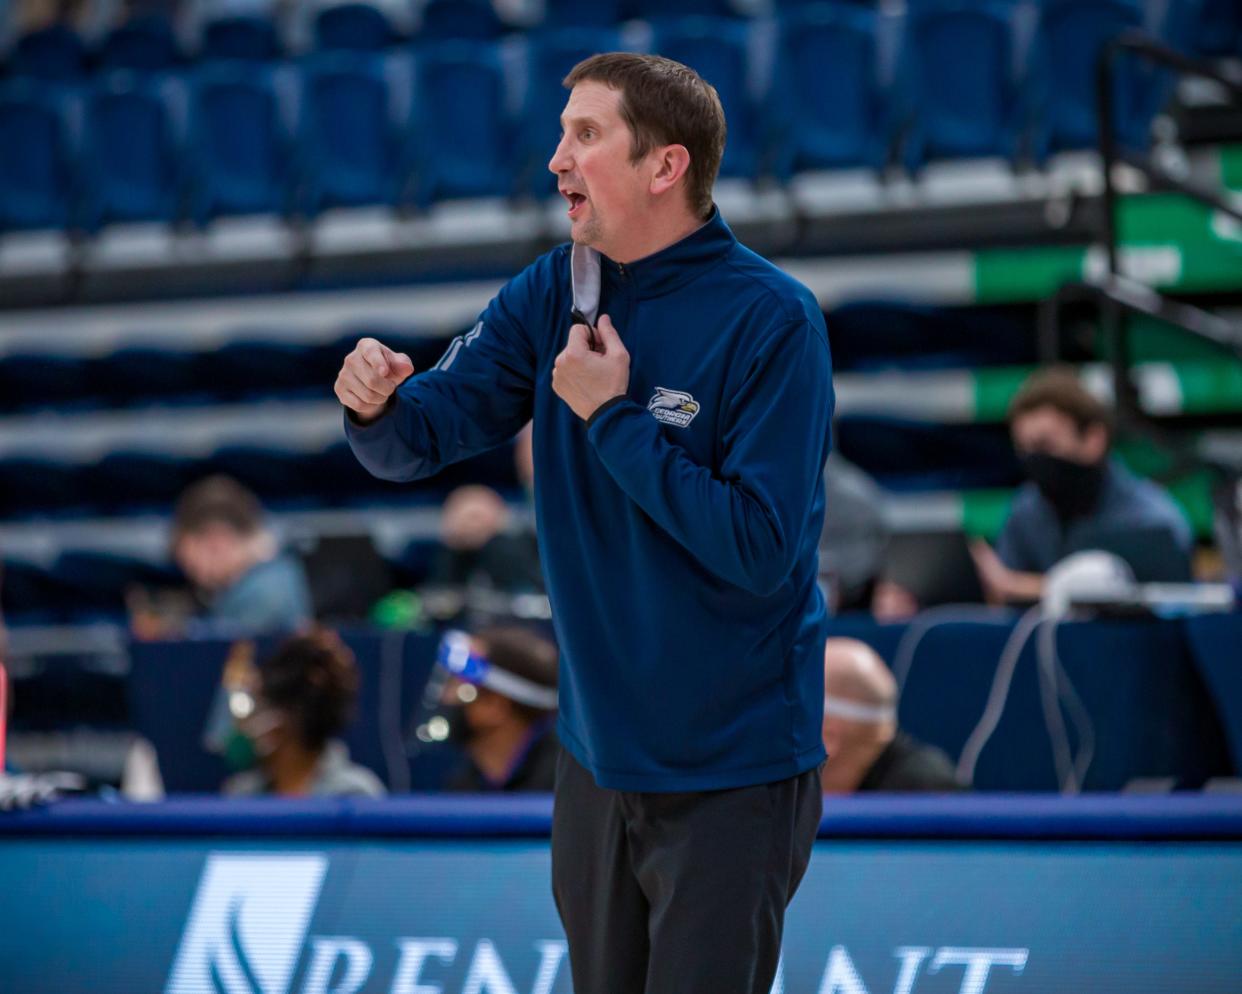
(678, 530)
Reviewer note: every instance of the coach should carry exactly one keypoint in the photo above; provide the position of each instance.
(681, 392)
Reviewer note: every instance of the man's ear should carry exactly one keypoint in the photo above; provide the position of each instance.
(672, 162)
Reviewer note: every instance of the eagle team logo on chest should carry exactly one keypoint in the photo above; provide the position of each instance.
(673, 407)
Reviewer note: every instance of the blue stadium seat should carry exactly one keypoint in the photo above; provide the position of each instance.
(237, 150)
(1061, 84)
(347, 145)
(251, 39)
(1220, 28)
(146, 44)
(461, 135)
(136, 481)
(274, 475)
(911, 456)
(29, 594)
(718, 50)
(95, 583)
(35, 167)
(892, 334)
(827, 101)
(575, 14)
(659, 10)
(459, 20)
(357, 27)
(550, 56)
(129, 167)
(257, 368)
(56, 52)
(793, 5)
(34, 380)
(39, 486)
(959, 107)
(145, 373)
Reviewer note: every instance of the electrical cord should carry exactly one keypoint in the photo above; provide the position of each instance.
(923, 623)
(998, 696)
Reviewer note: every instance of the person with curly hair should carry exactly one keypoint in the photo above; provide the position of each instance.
(289, 729)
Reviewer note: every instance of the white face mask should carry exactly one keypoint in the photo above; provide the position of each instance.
(871, 714)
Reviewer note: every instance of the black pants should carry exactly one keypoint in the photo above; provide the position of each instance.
(678, 893)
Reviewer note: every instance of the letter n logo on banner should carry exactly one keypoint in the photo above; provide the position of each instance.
(247, 925)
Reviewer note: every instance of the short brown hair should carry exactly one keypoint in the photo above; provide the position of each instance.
(217, 500)
(664, 103)
(1060, 388)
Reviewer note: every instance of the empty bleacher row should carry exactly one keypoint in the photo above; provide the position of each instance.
(240, 129)
(108, 424)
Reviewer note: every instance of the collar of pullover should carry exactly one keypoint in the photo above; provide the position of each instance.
(674, 266)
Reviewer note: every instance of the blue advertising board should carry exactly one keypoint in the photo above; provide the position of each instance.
(188, 913)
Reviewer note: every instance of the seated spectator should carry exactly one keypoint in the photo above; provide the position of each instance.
(1077, 495)
(866, 749)
(287, 732)
(221, 543)
(479, 546)
(851, 545)
(496, 697)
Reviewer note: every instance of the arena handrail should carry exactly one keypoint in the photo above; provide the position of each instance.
(1030, 817)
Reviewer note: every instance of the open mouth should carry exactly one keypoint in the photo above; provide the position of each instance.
(576, 202)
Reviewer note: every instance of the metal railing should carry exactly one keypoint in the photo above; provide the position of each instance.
(1115, 296)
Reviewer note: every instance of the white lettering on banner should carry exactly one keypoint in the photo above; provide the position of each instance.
(247, 924)
(840, 976)
(911, 959)
(251, 913)
(329, 950)
(414, 953)
(551, 953)
(487, 973)
(978, 963)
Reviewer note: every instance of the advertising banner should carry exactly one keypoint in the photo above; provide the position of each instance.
(288, 916)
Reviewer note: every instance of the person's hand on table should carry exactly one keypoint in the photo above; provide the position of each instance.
(1001, 585)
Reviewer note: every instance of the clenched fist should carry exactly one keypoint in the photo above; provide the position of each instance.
(370, 375)
(585, 378)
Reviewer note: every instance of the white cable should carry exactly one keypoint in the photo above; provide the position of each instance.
(1049, 702)
(1086, 727)
(998, 696)
(1071, 769)
(923, 623)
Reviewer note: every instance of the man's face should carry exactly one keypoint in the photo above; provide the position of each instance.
(607, 193)
(212, 558)
(1051, 432)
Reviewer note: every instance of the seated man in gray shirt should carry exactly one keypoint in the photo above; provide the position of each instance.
(1077, 496)
(221, 542)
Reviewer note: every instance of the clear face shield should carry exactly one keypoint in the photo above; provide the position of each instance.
(459, 672)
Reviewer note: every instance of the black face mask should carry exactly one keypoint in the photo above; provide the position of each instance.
(1072, 488)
